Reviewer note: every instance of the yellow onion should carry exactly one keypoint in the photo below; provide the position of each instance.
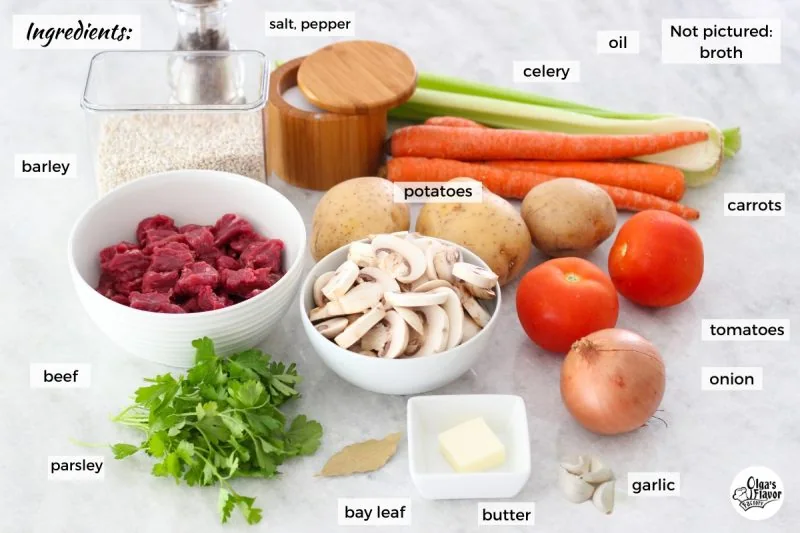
(612, 381)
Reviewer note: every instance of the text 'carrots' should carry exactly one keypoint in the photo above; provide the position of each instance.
(511, 183)
(481, 144)
(661, 180)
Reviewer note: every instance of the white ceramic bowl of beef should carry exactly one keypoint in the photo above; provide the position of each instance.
(188, 196)
(404, 376)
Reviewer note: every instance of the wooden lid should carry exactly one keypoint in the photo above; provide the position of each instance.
(357, 77)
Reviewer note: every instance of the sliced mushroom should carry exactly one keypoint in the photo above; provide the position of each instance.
(479, 292)
(472, 306)
(412, 319)
(476, 275)
(430, 252)
(455, 316)
(422, 242)
(444, 260)
(362, 254)
(319, 298)
(398, 336)
(469, 328)
(414, 299)
(361, 297)
(437, 330)
(414, 342)
(411, 255)
(414, 285)
(357, 300)
(324, 312)
(331, 328)
(357, 329)
(392, 263)
(433, 284)
(371, 273)
(375, 338)
(342, 280)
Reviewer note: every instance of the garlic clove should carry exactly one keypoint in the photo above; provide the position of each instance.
(578, 466)
(573, 487)
(603, 497)
(598, 476)
(598, 472)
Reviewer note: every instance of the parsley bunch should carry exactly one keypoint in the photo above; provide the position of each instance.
(220, 422)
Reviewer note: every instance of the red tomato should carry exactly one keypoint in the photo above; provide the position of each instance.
(657, 259)
(564, 299)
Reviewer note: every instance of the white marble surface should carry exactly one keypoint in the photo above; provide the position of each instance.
(751, 272)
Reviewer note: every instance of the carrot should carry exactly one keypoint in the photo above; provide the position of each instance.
(478, 144)
(454, 122)
(661, 180)
(511, 183)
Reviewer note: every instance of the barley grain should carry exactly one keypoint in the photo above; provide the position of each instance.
(133, 145)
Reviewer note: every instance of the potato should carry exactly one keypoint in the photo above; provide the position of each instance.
(492, 229)
(568, 217)
(354, 209)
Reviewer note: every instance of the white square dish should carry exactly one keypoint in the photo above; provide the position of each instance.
(435, 479)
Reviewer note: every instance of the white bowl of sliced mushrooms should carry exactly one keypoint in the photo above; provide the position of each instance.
(400, 313)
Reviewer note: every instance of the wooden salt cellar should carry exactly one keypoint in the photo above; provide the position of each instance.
(356, 82)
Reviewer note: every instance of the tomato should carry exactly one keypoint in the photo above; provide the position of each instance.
(657, 259)
(564, 299)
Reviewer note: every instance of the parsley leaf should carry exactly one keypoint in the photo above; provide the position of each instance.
(220, 422)
(303, 436)
(123, 450)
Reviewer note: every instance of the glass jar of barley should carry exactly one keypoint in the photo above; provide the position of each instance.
(141, 120)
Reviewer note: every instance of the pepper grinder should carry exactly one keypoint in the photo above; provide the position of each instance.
(204, 78)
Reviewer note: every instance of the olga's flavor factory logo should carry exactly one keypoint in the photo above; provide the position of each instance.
(757, 493)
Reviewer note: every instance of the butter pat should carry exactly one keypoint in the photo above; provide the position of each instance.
(472, 447)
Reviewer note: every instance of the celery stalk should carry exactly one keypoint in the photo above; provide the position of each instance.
(456, 85)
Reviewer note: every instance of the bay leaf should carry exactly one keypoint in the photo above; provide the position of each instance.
(362, 457)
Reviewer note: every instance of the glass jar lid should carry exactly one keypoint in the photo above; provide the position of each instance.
(145, 80)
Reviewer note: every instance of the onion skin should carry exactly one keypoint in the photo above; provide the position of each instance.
(612, 381)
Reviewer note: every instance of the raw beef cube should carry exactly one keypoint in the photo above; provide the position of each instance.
(207, 300)
(106, 285)
(186, 228)
(161, 238)
(125, 287)
(264, 254)
(246, 280)
(244, 240)
(210, 256)
(191, 306)
(171, 256)
(159, 281)
(271, 279)
(228, 227)
(110, 251)
(121, 299)
(196, 276)
(156, 222)
(154, 301)
(128, 265)
(200, 240)
(226, 261)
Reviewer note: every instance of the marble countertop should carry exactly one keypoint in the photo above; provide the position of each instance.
(750, 273)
